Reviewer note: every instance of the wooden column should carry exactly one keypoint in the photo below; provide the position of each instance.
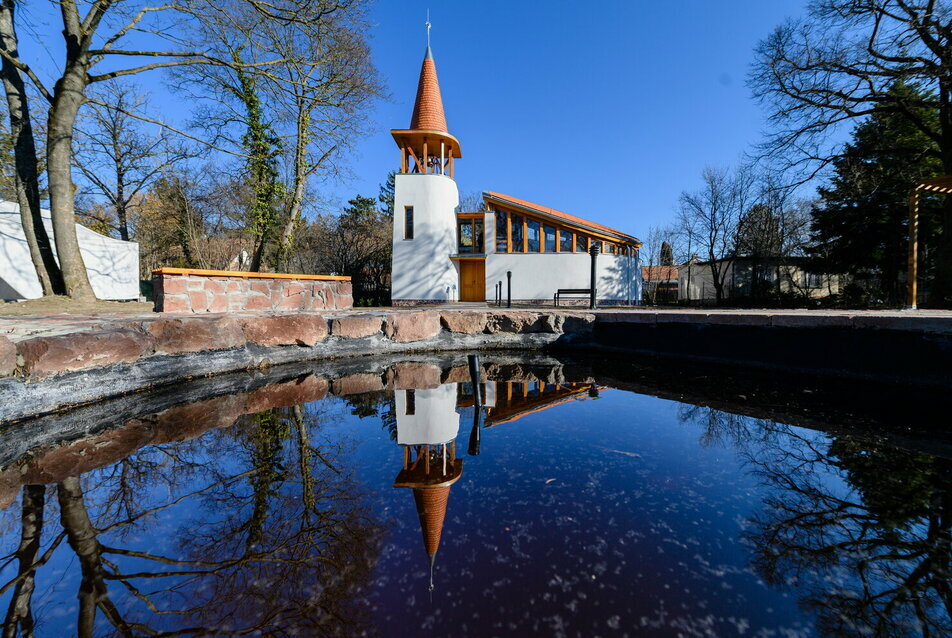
(913, 274)
(425, 158)
(442, 157)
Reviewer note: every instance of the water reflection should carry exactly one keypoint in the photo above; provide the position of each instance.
(861, 532)
(266, 531)
(270, 511)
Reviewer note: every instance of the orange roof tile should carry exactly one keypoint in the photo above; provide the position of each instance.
(428, 108)
(578, 221)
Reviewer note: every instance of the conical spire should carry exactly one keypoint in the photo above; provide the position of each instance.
(431, 508)
(428, 108)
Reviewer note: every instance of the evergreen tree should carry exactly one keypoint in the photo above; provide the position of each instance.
(860, 225)
(385, 198)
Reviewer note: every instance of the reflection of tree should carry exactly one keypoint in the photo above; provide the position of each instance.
(273, 535)
(862, 530)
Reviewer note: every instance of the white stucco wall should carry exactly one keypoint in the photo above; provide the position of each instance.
(434, 420)
(422, 268)
(113, 265)
(539, 275)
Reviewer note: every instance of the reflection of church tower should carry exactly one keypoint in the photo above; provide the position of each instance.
(427, 426)
(425, 200)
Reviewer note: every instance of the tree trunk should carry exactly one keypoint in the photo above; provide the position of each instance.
(31, 528)
(68, 97)
(27, 172)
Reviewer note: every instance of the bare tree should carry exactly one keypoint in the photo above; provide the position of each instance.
(711, 216)
(838, 65)
(26, 177)
(117, 157)
(96, 39)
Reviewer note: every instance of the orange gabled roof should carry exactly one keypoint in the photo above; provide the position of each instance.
(428, 108)
(551, 212)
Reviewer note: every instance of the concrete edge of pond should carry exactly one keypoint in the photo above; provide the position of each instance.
(56, 362)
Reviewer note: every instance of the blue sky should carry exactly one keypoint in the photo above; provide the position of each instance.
(604, 110)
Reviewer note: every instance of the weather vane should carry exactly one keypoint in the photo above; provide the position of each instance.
(428, 25)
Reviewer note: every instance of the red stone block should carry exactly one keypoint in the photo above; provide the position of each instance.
(174, 285)
(63, 353)
(357, 384)
(258, 302)
(413, 326)
(234, 286)
(344, 302)
(219, 303)
(415, 376)
(287, 394)
(8, 357)
(198, 300)
(174, 303)
(261, 286)
(344, 288)
(294, 288)
(214, 287)
(357, 326)
(194, 334)
(464, 322)
(297, 302)
(285, 330)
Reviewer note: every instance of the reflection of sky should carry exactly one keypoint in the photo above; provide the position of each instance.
(594, 517)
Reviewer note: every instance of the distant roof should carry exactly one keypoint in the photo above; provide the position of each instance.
(659, 273)
(551, 212)
(428, 108)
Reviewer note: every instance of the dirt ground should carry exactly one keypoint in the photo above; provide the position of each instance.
(63, 305)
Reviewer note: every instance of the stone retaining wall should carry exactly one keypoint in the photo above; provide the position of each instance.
(187, 290)
(101, 357)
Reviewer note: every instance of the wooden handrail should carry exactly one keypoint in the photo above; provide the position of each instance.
(245, 275)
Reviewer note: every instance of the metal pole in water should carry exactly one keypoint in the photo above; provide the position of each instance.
(477, 406)
(509, 289)
(474, 377)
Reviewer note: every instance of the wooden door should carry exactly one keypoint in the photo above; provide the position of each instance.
(472, 280)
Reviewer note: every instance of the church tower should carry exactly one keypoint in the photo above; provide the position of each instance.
(425, 200)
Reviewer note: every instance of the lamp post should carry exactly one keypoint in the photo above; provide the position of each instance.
(594, 248)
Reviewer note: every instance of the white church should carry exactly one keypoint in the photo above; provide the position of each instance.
(444, 255)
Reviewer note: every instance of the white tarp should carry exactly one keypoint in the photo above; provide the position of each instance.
(113, 265)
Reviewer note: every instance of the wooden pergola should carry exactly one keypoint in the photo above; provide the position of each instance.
(943, 186)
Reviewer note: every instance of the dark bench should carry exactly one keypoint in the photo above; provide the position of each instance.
(562, 292)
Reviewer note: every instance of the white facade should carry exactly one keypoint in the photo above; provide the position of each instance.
(422, 269)
(113, 265)
(537, 276)
(429, 418)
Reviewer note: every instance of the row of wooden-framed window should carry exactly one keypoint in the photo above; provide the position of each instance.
(521, 234)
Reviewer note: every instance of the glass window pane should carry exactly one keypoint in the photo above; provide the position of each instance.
(501, 222)
(408, 222)
(466, 236)
(515, 223)
(581, 244)
(565, 241)
(478, 245)
(549, 232)
(532, 236)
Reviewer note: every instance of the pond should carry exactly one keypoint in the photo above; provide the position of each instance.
(570, 498)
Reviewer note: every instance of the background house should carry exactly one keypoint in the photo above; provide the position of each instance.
(747, 278)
